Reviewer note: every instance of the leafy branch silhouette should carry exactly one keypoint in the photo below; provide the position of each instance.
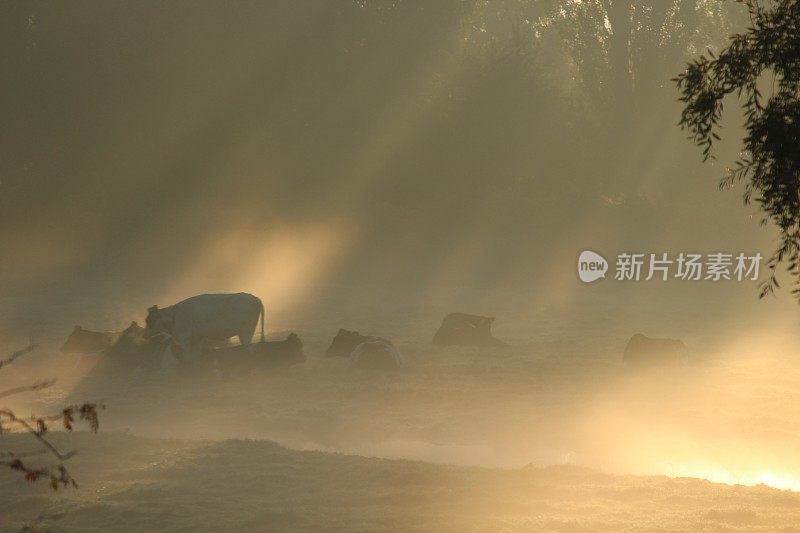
(766, 53)
(38, 428)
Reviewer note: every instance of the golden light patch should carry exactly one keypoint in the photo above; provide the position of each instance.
(282, 266)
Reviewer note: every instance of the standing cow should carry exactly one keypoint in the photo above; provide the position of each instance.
(207, 318)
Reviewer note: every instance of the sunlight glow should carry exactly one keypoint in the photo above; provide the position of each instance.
(720, 474)
(282, 266)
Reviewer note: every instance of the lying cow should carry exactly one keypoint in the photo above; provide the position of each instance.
(346, 341)
(134, 349)
(283, 353)
(129, 342)
(377, 354)
(85, 342)
(642, 351)
(461, 329)
(134, 346)
(207, 318)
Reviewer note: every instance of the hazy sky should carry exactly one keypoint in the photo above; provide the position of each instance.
(288, 146)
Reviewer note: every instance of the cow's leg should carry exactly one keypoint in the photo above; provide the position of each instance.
(246, 337)
(203, 346)
(182, 347)
(166, 347)
(177, 352)
(195, 348)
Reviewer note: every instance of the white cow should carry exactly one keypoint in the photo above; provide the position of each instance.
(207, 318)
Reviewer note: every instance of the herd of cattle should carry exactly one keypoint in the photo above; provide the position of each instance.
(199, 329)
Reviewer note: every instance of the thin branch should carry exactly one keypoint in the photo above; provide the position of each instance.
(58, 475)
(31, 528)
(38, 435)
(16, 355)
(37, 427)
(17, 455)
(27, 388)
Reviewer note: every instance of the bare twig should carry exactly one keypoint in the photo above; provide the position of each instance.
(16, 455)
(58, 475)
(36, 426)
(27, 388)
(37, 434)
(31, 528)
(16, 355)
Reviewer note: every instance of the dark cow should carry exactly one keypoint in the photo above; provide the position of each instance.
(131, 342)
(283, 353)
(128, 341)
(642, 352)
(84, 342)
(461, 329)
(135, 348)
(289, 350)
(376, 355)
(346, 341)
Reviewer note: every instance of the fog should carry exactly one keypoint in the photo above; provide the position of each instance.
(375, 166)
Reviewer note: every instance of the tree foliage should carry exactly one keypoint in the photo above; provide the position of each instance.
(765, 57)
(621, 48)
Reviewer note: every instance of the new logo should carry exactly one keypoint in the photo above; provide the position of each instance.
(591, 266)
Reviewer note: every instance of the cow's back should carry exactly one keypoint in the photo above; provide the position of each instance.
(215, 316)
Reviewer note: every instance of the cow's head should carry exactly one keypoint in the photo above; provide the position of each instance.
(344, 343)
(157, 321)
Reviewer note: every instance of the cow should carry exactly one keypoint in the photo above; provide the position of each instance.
(346, 341)
(130, 342)
(286, 352)
(643, 352)
(207, 318)
(85, 342)
(283, 353)
(377, 354)
(133, 343)
(133, 348)
(461, 329)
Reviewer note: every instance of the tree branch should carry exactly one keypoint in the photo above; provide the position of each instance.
(37, 434)
(58, 476)
(27, 388)
(17, 355)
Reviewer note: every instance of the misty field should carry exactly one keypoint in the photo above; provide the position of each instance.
(553, 434)
(140, 484)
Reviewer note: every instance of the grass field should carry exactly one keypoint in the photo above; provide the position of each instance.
(555, 434)
(138, 484)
